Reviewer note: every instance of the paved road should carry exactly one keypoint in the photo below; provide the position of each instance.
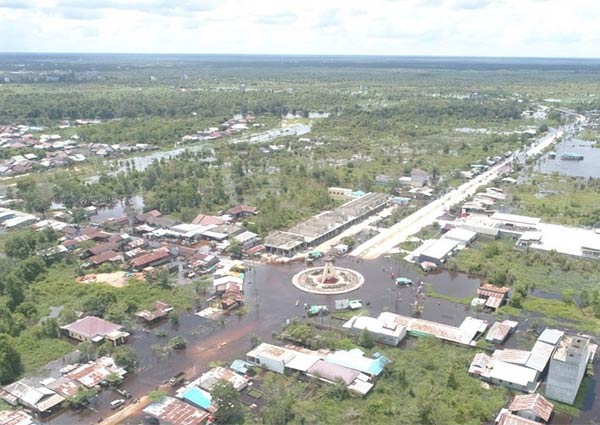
(400, 232)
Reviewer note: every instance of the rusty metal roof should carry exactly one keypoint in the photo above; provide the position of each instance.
(534, 402)
(172, 411)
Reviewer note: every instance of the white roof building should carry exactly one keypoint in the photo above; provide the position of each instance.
(385, 332)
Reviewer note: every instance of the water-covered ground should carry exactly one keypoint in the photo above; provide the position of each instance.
(271, 299)
(588, 167)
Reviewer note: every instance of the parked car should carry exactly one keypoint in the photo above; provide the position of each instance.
(115, 404)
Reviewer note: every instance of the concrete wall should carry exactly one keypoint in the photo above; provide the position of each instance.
(564, 378)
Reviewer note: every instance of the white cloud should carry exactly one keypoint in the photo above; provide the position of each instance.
(391, 27)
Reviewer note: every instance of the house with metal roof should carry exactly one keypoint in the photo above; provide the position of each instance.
(499, 331)
(356, 359)
(95, 329)
(15, 417)
(38, 398)
(171, 411)
(390, 332)
(95, 372)
(499, 372)
(332, 373)
(534, 407)
(208, 379)
(436, 251)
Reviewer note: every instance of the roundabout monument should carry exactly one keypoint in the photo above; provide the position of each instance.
(328, 279)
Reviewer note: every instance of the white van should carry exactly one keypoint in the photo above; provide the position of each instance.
(117, 403)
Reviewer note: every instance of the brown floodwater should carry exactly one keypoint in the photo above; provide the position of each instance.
(271, 299)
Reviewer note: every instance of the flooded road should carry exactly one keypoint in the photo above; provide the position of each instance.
(270, 301)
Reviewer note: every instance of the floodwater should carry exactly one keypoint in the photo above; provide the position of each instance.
(588, 167)
(119, 209)
(142, 162)
(271, 300)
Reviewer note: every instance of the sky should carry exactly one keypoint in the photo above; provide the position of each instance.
(526, 28)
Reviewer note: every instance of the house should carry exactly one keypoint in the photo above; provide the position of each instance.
(208, 380)
(197, 397)
(400, 201)
(152, 259)
(15, 417)
(332, 373)
(389, 332)
(436, 251)
(499, 331)
(208, 220)
(517, 222)
(340, 193)
(99, 249)
(242, 211)
(494, 296)
(503, 373)
(463, 236)
(160, 311)
(171, 411)
(95, 372)
(94, 329)
(356, 359)
(108, 256)
(142, 218)
(507, 418)
(531, 406)
(202, 261)
(382, 179)
(418, 177)
(64, 386)
(246, 239)
(39, 399)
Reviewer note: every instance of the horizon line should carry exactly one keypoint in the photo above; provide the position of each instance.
(341, 55)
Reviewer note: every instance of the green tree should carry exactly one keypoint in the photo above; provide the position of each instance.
(21, 244)
(125, 357)
(366, 339)
(228, 402)
(235, 248)
(80, 399)
(10, 360)
(50, 328)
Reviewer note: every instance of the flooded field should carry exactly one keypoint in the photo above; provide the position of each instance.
(271, 299)
(141, 162)
(588, 167)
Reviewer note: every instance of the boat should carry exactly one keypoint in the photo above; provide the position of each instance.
(571, 156)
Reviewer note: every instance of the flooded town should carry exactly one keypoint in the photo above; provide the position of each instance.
(259, 240)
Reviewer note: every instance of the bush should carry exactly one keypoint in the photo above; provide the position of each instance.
(178, 343)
